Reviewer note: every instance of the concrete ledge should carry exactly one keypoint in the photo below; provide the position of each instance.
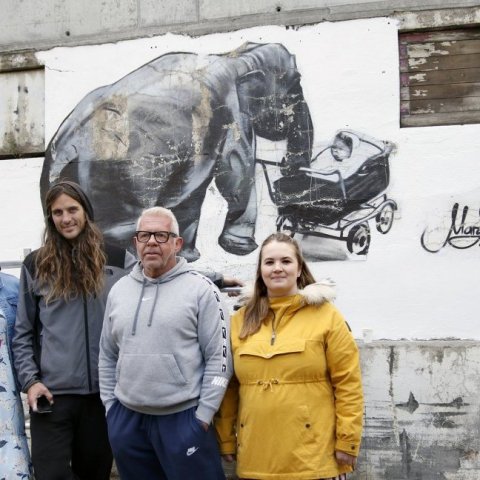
(68, 24)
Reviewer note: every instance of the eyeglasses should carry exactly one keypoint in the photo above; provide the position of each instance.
(160, 237)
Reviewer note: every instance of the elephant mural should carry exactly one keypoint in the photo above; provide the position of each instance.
(159, 135)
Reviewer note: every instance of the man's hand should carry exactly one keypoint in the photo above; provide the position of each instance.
(229, 457)
(204, 425)
(36, 391)
(345, 459)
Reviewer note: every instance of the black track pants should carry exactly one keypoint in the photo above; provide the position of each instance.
(71, 443)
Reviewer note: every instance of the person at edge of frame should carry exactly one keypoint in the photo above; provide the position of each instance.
(14, 453)
(164, 361)
(294, 406)
(63, 290)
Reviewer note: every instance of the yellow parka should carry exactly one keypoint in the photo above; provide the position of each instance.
(296, 395)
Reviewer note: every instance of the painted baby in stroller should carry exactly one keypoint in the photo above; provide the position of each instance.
(339, 193)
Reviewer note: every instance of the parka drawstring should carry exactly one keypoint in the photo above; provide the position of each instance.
(268, 384)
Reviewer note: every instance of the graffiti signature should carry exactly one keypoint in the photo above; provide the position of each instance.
(460, 235)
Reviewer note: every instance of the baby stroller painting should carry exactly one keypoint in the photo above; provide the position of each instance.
(338, 195)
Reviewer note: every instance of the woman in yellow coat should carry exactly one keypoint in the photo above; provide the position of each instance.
(294, 408)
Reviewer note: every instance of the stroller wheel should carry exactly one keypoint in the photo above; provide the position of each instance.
(384, 219)
(358, 239)
(286, 225)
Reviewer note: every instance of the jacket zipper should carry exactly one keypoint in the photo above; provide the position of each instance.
(274, 333)
(87, 343)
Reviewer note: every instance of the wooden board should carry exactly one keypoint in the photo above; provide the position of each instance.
(440, 77)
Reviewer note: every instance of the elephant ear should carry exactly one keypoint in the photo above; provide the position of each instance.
(251, 91)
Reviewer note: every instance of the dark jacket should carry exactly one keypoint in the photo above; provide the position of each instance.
(58, 343)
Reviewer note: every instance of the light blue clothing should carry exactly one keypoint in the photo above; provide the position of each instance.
(8, 302)
(14, 455)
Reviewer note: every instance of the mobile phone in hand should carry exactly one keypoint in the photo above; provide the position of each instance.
(231, 290)
(43, 405)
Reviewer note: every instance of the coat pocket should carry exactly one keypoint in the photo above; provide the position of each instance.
(265, 350)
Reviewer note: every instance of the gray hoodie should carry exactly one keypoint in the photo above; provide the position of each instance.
(165, 344)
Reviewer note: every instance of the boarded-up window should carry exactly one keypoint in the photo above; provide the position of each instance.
(22, 113)
(440, 77)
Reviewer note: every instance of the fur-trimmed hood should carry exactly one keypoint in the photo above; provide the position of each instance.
(313, 294)
(319, 292)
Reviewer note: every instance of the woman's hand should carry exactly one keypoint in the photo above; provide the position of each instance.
(345, 459)
(229, 457)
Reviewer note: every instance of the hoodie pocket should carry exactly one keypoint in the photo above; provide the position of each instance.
(150, 379)
(146, 369)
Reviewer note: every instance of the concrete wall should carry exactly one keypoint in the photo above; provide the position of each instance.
(422, 411)
(37, 24)
(349, 74)
(418, 280)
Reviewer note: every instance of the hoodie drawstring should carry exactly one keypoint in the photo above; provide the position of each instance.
(134, 327)
(150, 318)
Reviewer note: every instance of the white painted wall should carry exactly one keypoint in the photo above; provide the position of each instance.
(350, 80)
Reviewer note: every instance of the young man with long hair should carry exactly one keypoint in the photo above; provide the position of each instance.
(63, 289)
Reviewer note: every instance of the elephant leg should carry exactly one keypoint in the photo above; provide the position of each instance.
(188, 219)
(186, 205)
(236, 183)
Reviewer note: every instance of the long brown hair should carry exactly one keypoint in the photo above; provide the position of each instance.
(257, 309)
(69, 269)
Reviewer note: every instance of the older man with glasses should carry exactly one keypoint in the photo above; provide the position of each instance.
(164, 361)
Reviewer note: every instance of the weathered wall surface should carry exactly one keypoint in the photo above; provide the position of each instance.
(414, 281)
(419, 277)
(422, 410)
(41, 24)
